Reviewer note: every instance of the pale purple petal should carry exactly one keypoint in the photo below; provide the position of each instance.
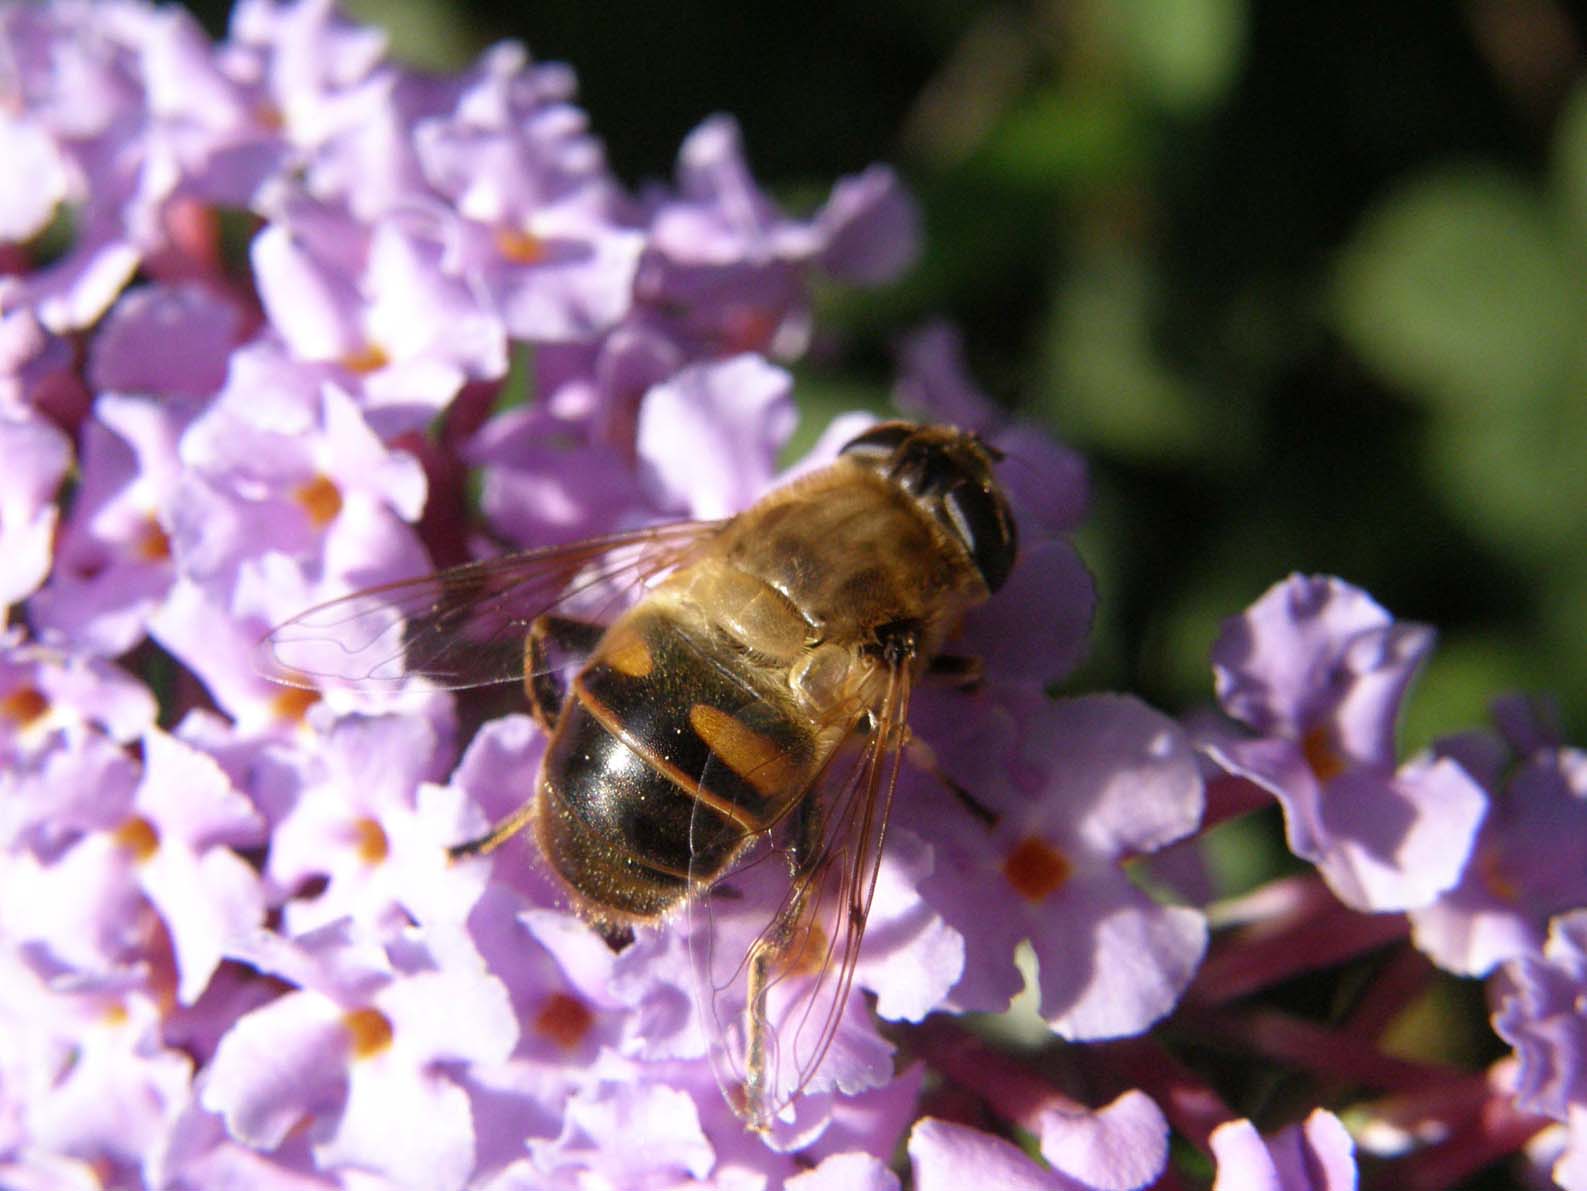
(165, 340)
(315, 311)
(1400, 843)
(846, 1172)
(871, 227)
(411, 1125)
(709, 437)
(1316, 1155)
(206, 901)
(271, 1068)
(910, 958)
(34, 182)
(949, 1157)
(1128, 769)
(1115, 962)
(36, 455)
(627, 1131)
(1118, 1147)
(459, 1016)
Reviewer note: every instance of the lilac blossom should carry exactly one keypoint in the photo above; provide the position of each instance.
(114, 556)
(38, 455)
(1042, 859)
(1529, 861)
(237, 947)
(1539, 1003)
(1317, 670)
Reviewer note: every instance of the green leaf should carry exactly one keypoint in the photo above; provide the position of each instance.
(1569, 181)
(1109, 387)
(1186, 53)
(1455, 288)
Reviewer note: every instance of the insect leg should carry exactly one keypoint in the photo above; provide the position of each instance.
(553, 646)
(498, 835)
(779, 941)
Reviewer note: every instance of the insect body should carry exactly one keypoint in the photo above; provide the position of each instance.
(747, 710)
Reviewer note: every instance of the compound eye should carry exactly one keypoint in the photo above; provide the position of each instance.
(982, 520)
(880, 441)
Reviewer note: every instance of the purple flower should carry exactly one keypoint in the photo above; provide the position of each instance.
(361, 1051)
(37, 456)
(944, 1155)
(1066, 793)
(1539, 1011)
(166, 839)
(377, 302)
(1317, 670)
(1528, 864)
(114, 557)
(709, 436)
(1316, 1155)
(370, 832)
(540, 229)
(87, 1079)
(725, 270)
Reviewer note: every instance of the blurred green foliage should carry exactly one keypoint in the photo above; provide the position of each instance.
(1305, 283)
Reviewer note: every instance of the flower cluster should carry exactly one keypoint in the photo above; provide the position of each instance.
(236, 947)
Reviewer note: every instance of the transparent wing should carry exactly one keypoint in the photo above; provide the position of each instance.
(466, 626)
(775, 941)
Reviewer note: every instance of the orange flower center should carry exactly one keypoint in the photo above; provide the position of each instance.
(564, 1019)
(369, 358)
(138, 836)
(370, 840)
(368, 1031)
(321, 500)
(1321, 756)
(519, 246)
(24, 706)
(152, 545)
(293, 703)
(1035, 869)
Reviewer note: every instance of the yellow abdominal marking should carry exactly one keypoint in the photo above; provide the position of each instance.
(627, 653)
(745, 751)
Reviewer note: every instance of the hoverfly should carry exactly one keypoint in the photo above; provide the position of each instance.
(731, 740)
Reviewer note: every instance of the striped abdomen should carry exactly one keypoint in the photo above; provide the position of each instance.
(664, 716)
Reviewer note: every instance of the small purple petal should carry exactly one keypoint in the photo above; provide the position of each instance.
(949, 1157)
(1118, 1147)
(709, 436)
(871, 226)
(1316, 1155)
(1117, 962)
(846, 1172)
(270, 1070)
(194, 328)
(1318, 654)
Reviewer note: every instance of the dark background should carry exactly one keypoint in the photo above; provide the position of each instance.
(1304, 284)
